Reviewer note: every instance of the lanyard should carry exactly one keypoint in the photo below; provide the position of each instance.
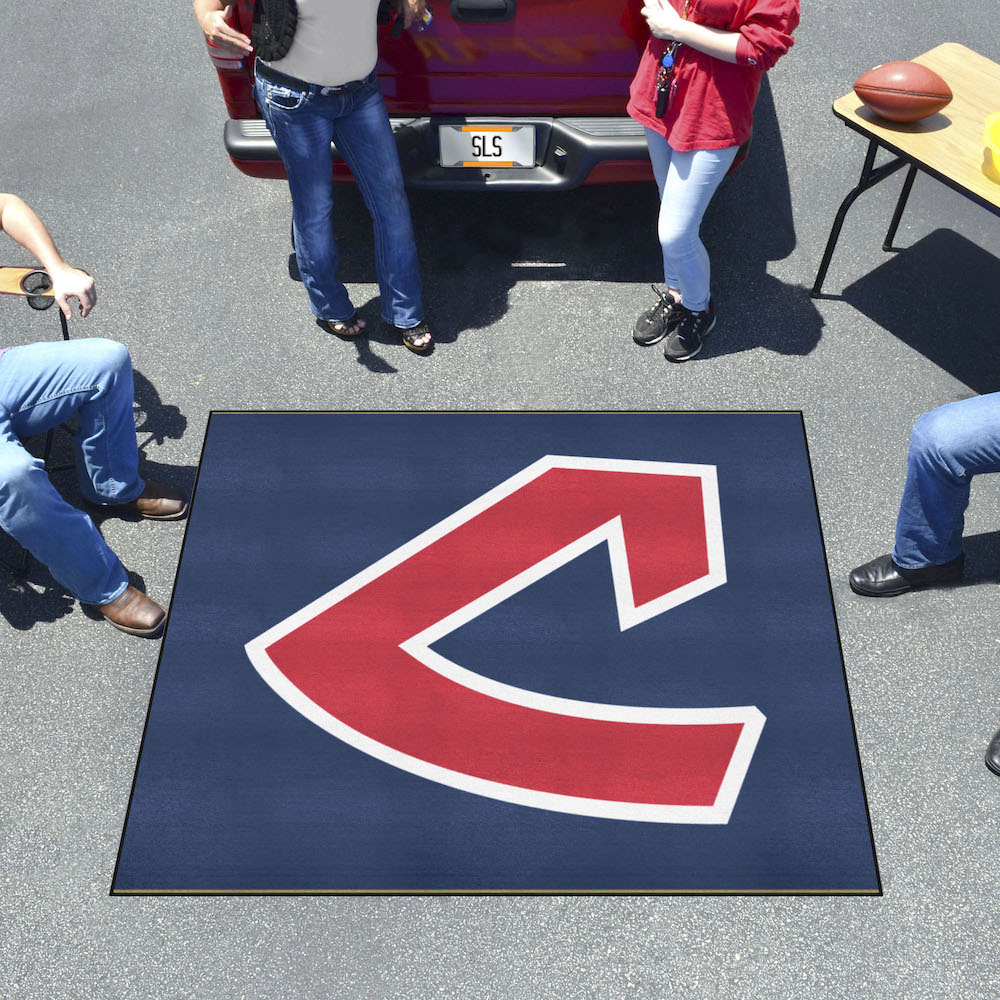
(666, 70)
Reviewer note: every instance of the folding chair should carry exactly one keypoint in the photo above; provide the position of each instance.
(35, 287)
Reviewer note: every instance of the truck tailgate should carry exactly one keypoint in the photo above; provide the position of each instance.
(552, 57)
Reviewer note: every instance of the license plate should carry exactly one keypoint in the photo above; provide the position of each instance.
(487, 145)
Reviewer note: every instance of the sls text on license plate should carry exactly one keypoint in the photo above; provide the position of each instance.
(487, 145)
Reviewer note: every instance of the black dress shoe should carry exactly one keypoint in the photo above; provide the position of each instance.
(993, 753)
(883, 578)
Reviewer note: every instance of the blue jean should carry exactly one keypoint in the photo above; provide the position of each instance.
(41, 386)
(687, 182)
(948, 447)
(303, 123)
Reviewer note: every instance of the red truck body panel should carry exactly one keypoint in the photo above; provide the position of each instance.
(553, 59)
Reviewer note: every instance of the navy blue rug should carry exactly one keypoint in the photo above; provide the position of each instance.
(480, 652)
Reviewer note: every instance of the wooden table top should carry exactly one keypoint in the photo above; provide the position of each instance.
(949, 143)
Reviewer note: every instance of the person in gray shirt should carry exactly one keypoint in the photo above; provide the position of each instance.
(316, 84)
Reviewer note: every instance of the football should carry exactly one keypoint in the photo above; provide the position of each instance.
(903, 91)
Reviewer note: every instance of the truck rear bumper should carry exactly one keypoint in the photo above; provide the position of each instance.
(568, 152)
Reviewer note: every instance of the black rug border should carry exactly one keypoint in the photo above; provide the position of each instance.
(505, 892)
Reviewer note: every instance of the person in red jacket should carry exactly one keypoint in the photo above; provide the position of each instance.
(694, 92)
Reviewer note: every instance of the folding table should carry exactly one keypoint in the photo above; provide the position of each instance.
(948, 145)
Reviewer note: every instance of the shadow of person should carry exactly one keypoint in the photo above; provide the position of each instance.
(30, 599)
(749, 224)
(154, 417)
(474, 246)
(376, 331)
(25, 601)
(982, 558)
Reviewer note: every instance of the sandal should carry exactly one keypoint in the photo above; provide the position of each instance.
(342, 327)
(411, 334)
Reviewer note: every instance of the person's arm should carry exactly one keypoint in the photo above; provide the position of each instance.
(761, 41)
(211, 15)
(21, 224)
(664, 22)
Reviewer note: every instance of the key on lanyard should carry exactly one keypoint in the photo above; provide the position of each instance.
(663, 79)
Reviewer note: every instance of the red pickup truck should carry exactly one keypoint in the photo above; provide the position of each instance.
(518, 94)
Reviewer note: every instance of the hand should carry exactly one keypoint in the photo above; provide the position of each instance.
(410, 10)
(664, 22)
(72, 283)
(224, 37)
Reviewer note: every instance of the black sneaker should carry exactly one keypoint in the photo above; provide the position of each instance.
(654, 324)
(688, 337)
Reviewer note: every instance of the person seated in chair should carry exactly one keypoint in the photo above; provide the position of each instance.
(41, 386)
(948, 447)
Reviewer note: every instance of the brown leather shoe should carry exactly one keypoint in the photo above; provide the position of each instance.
(158, 502)
(135, 613)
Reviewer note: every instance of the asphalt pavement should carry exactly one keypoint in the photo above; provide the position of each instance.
(112, 130)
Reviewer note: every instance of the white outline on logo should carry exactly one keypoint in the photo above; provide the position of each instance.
(629, 615)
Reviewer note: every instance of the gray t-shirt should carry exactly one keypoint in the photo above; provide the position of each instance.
(334, 42)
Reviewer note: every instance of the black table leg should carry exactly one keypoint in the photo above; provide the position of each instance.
(870, 176)
(900, 205)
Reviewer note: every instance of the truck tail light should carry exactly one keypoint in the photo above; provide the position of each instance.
(223, 60)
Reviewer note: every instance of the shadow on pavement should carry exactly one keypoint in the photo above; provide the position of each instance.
(375, 329)
(982, 557)
(749, 224)
(941, 296)
(474, 247)
(22, 603)
(153, 417)
(26, 600)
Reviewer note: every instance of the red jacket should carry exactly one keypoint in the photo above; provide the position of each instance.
(711, 101)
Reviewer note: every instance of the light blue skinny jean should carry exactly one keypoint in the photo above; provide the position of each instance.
(948, 447)
(687, 182)
(41, 386)
(303, 122)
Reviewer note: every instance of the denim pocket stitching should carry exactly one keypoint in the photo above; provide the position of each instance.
(274, 91)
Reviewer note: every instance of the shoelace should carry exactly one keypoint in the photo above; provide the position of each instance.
(692, 323)
(666, 302)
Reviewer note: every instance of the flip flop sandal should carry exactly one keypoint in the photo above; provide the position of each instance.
(410, 335)
(342, 327)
